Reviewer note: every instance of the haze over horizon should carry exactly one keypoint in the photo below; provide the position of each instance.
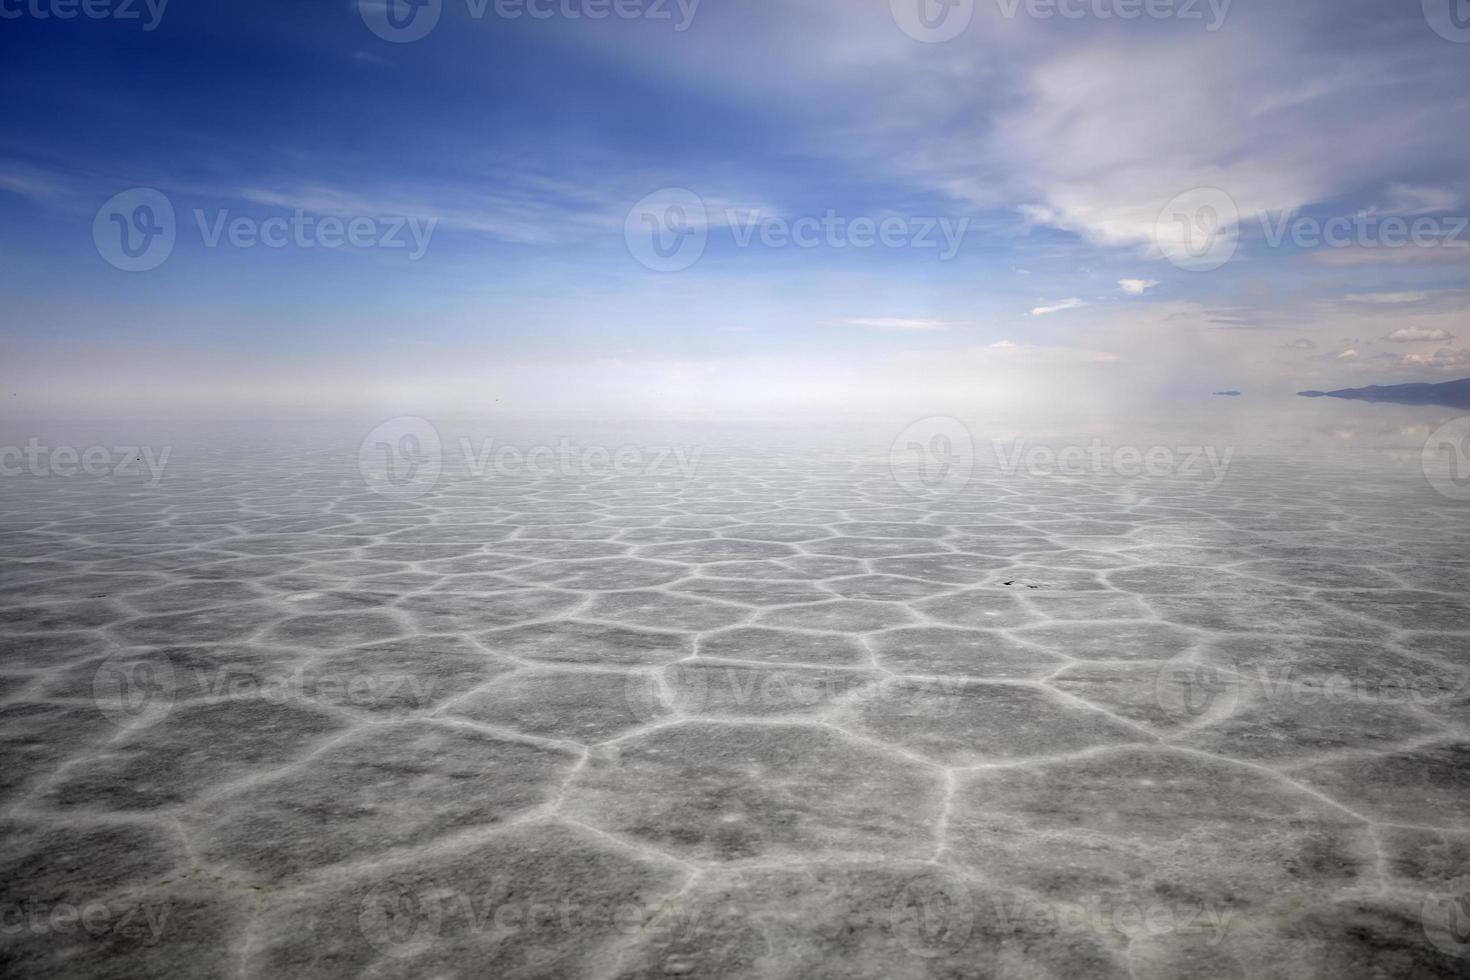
(1040, 211)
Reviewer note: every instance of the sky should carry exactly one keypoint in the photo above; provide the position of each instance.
(721, 208)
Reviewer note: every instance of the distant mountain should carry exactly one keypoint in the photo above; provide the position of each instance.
(1455, 394)
(1232, 393)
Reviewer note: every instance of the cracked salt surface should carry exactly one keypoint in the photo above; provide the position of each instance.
(784, 718)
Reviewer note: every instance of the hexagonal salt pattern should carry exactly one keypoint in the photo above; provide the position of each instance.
(779, 717)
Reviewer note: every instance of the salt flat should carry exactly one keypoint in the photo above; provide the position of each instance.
(790, 711)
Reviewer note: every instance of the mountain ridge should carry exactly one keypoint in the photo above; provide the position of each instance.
(1455, 394)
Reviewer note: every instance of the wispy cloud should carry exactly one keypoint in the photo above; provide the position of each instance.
(1385, 299)
(896, 323)
(1442, 251)
(1137, 287)
(1410, 201)
(1057, 307)
(1414, 335)
(1445, 359)
(31, 183)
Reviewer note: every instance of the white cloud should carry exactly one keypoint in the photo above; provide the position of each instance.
(34, 184)
(1440, 251)
(1409, 201)
(1059, 306)
(1445, 359)
(1105, 169)
(1348, 355)
(897, 323)
(1414, 335)
(1301, 343)
(1384, 299)
(1137, 287)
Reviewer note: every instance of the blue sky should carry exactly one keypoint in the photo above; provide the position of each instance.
(1054, 143)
